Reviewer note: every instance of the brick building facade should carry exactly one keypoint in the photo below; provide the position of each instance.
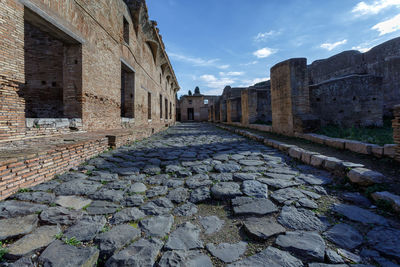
(84, 76)
(78, 65)
(196, 107)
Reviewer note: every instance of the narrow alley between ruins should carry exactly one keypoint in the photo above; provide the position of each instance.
(196, 195)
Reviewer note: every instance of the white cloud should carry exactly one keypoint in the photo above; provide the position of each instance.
(263, 36)
(375, 7)
(196, 61)
(217, 83)
(231, 73)
(249, 63)
(331, 46)
(264, 52)
(223, 67)
(388, 26)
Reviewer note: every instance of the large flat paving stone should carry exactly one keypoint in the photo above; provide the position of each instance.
(29, 244)
(157, 226)
(357, 214)
(227, 252)
(86, 229)
(271, 257)
(224, 190)
(307, 245)
(345, 236)
(59, 254)
(263, 227)
(181, 258)
(255, 206)
(200, 194)
(386, 240)
(227, 167)
(127, 215)
(14, 208)
(141, 253)
(300, 219)
(100, 207)
(185, 237)
(38, 197)
(211, 224)
(118, 237)
(14, 227)
(287, 195)
(74, 202)
(255, 189)
(77, 187)
(60, 215)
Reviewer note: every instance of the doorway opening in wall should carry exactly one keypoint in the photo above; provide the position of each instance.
(160, 106)
(149, 106)
(166, 108)
(190, 114)
(127, 92)
(53, 75)
(170, 110)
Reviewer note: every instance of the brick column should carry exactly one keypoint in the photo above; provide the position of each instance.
(245, 107)
(228, 111)
(396, 130)
(290, 97)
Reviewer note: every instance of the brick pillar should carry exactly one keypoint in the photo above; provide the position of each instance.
(245, 107)
(290, 97)
(396, 130)
(228, 110)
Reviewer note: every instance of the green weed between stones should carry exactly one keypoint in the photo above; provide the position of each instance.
(3, 251)
(72, 241)
(25, 190)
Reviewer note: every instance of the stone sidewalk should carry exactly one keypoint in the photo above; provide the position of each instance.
(195, 195)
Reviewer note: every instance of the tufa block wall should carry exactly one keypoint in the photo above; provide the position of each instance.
(355, 100)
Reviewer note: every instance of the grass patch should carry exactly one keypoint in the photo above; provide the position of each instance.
(72, 241)
(3, 251)
(374, 135)
(25, 190)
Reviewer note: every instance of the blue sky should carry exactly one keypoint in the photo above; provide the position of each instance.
(213, 43)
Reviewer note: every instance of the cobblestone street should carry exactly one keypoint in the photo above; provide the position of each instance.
(196, 195)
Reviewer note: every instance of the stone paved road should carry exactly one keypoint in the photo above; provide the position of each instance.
(195, 195)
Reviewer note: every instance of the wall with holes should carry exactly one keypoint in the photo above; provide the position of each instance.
(355, 100)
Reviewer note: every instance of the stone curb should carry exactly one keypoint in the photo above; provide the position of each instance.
(388, 150)
(356, 173)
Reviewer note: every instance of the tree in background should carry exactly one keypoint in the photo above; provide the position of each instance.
(190, 92)
(197, 90)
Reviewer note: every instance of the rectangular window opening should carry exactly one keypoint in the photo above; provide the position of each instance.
(126, 31)
(127, 92)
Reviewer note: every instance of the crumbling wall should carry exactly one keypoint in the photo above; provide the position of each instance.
(381, 61)
(396, 130)
(355, 100)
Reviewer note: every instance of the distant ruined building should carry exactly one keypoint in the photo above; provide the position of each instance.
(348, 89)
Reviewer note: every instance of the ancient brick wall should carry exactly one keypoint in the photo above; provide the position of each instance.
(355, 100)
(34, 169)
(381, 61)
(92, 34)
(396, 130)
(12, 118)
(247, 108)
(199, 104)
